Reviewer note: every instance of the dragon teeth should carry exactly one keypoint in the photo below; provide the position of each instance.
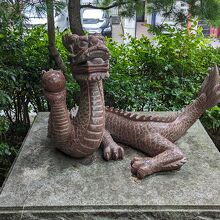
(127, 114)
(116, 110)
(142, 117)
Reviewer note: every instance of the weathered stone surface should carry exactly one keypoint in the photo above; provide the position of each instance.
(46, 184)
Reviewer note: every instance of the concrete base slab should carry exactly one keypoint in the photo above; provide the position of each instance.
(48, 185)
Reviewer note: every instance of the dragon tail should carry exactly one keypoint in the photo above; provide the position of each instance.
(209, 97)
(211, 88)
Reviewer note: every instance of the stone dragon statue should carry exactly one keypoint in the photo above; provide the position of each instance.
(82, 131)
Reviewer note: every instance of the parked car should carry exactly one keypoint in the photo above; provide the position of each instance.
(93, 21)
(62, 20)
(33, 18)
(96, 21)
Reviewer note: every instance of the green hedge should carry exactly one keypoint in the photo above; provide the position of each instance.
(161, 75)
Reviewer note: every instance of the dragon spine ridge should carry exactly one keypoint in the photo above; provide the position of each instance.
(142, 118)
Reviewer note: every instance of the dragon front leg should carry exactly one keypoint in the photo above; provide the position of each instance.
(111, 150)
(165, 156)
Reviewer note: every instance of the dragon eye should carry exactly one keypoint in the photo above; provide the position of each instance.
(93, 40)
(83, 44)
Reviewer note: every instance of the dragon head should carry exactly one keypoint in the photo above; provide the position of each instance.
(89, 56)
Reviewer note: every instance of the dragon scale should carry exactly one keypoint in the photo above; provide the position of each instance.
(90, 118)
(138, 125)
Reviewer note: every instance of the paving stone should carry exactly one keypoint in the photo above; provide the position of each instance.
(45, 184)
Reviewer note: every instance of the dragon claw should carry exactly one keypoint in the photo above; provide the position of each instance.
(107, 156)
(133, 171)
(113, 152)
(115, 155)
(121, 153)
(140, 173)
(135, 159)
(141, 167)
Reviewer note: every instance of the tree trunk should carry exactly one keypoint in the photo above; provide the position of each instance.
(75, 17)
(51, 36)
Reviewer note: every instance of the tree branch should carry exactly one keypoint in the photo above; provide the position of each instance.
(114, 4)
(75, 17)
(52, 37)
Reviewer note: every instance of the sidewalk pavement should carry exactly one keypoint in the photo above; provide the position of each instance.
(117, 33)
(215, 43)
(141, 29)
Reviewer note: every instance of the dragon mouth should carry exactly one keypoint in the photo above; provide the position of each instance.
(91, 65)
(96, 76)
(89, 57)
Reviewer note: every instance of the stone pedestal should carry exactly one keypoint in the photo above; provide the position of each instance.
(45, 184)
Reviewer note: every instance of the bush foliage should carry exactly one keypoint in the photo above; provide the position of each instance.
(163, 74)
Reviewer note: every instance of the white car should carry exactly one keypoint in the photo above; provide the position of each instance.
(96, 21)
(33, 18)
(93, 21)
(62, 20)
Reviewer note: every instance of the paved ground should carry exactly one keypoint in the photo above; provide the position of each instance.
(117, 32)
(46, 184)
(142, 30)
(216, 43)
